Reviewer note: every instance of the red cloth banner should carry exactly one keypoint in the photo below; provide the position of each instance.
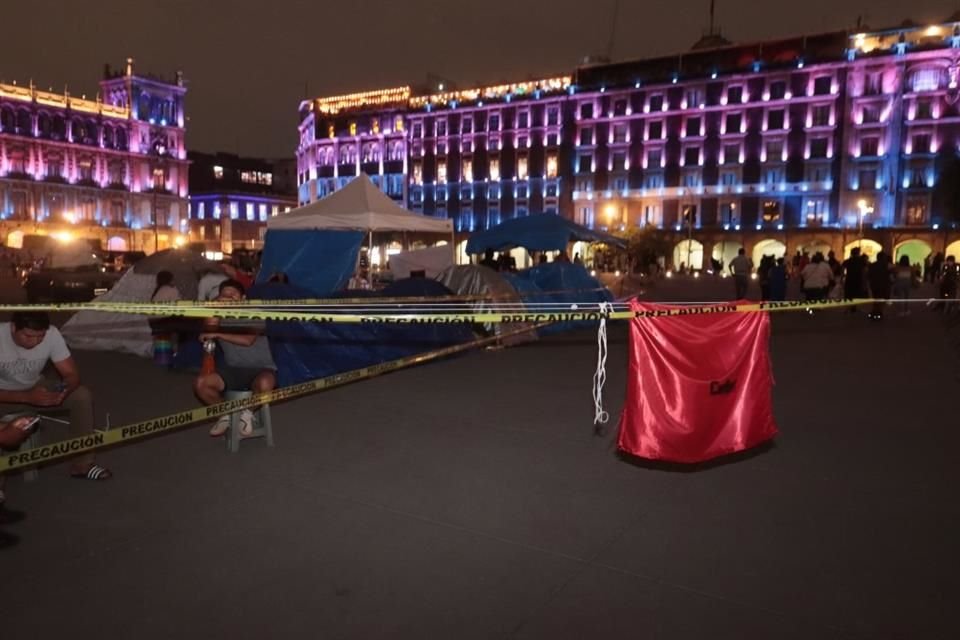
(698, 386)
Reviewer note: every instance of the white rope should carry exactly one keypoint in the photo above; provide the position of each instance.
(600, 376)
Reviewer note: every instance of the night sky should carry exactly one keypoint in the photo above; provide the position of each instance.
(248, 62)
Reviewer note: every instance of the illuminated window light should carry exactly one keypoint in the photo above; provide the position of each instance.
(636, 85)
(713, 76)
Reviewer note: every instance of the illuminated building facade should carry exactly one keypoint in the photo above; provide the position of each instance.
(231, 198)
(113, 169)
(812, 143)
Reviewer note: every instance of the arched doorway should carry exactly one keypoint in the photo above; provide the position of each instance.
(688, 253)
(725, 251)
(953, 249)
(15, 239)
(116, 243)
(768, 247)
(868, 248)
(916, 250)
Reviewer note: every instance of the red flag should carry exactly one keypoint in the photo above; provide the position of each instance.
(699, 386)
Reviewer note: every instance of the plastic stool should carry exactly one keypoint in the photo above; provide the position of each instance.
(32, 473)
(262, 425)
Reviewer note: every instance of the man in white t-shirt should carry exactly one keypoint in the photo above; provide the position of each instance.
(27, 343)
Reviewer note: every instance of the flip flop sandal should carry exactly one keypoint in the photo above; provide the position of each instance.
(95, 472)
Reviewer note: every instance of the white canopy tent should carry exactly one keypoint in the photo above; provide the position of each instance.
(359, 206)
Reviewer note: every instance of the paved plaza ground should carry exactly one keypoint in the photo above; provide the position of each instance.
(470, 498)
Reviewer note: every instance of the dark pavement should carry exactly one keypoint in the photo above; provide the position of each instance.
(470, 499)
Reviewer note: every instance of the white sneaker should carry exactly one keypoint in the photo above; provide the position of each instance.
(246, 423)
(220, 426)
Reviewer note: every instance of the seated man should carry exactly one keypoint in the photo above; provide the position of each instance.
(27, 343)
(247, 363)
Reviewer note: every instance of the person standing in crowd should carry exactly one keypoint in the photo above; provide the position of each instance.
(853, 277)
(488, 260)
(903, 278)
(778, 280)
(949, 276)
(763, 274)
(816, 279)
(878, 275)
(936, 267)
(740, 267)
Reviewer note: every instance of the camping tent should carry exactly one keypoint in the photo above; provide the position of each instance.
(317, 245)
(496, 294)
(130, 333)
(432, 261)
(359, 206)
(538, 232)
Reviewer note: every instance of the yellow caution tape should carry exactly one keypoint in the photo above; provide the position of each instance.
(551, 313)
(153, 426)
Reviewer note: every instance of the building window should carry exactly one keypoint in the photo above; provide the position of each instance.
(371, 152)
(688, 214)
(494, 171)
(521, 192)
(584, 163)
(774, 150)
(353, 128)
(523, 142)
(921, 143)
(653, 181)
(442, 148)
(586, 110)
(619, 133)
(417, 130)
(691, 156)
(776, 119)
(822, 85)
(873, 83)
(917, 177)
(772, 175)
(818, 148)
(693, 127)
(778, 90)
(441, 127)
(915, 211)
(523, 119)
(216, 210)
(656, 102)
(870, 147)
(651, 214)
(417, 173)
(583, 184)
(871, 113)
(250, 211)
(816, 211)
(729, 178)
(734, 122)
(347, 155)
(820, 115)
(654, 158)
(441, 171)
(493, 123)
(522, 168)
(85, 170)
(586, 136)
(159, 178)
(735, 95)
(553, 116)
(552, 191)
(694, 98)
(234, 210)
(619, 161)
(398, 123)
(926, 80)
(728, 213)
(620, 108)
(655, 130)
(818, 173)
(691, 179)
(731, 153)
(584, 216)
(771, 210)
(466, 170)
(551, 165)
(263, 213)
(924, 110)
(466, 124)
(274, 210)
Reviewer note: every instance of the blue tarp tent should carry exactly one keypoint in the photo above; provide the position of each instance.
(539, 232)
(304, 351)
(558, 282)
(319, 262)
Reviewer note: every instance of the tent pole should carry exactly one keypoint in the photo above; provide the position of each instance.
(453, 243)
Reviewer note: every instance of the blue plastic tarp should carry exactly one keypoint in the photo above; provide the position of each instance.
(319, 262)
(539, 232)
(559, 282)
(304, 351)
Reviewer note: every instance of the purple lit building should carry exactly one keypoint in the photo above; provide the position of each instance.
(112, 169)
(813, 143)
